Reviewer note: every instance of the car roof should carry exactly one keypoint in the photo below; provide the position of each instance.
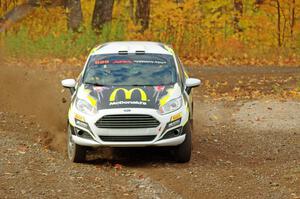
(132, 47)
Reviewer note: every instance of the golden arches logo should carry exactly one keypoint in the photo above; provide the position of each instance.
(128, 94)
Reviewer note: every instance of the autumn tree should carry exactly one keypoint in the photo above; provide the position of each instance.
(292, 17)
(238, 7)
(278, 7)
(142, 13)
(21, 11)
(259, 2)
(74, 14)
(131, 9)
(17, 13)
(102, 13)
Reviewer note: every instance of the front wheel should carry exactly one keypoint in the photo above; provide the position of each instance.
(183, 151)
(76, 153)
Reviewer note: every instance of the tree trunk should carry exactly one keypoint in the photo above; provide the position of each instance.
(21, 11)
(74, 14)
(238, 7)
(131, 10)
(292, 23)
(102, 13)
(17, 14)
(278, 23)
(142, 13)
(259, 2)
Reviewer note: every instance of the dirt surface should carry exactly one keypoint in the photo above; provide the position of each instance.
(245, 145)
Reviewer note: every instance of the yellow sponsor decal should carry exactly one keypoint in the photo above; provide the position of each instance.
(165, 98)
(188, 112)
(79, 117)
(70, 111)
(176, 117)
(128, 94)
(169, 49)
(95, 49)
(92, 100)
(186, 75)
(69, 115)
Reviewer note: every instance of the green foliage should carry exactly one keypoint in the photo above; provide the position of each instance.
(64, 45)
(113, 32)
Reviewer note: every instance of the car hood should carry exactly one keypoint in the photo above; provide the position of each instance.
(108, 97)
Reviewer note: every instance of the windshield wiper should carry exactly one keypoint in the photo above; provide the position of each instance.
(150, 85)
(141, 85)
(94, 84)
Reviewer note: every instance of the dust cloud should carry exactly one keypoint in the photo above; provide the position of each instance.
(37, 95)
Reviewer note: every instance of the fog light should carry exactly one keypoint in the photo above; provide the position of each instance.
(173, 133)
(83, 134)
(82, 124)
(174, 123)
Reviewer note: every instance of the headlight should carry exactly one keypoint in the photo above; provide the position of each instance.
(171, 106)
(84, 106)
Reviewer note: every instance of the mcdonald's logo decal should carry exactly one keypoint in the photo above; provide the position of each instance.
(128, 94)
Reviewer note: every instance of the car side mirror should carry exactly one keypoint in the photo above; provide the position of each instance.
(191, 83)
(70, 84)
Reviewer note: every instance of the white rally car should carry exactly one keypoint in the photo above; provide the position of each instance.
(131, 94)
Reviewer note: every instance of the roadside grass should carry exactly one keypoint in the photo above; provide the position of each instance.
(22, 44)
(68, 44)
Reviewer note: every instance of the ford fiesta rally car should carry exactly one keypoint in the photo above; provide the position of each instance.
(131, 94)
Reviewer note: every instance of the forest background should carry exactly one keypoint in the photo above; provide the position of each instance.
(202, 32)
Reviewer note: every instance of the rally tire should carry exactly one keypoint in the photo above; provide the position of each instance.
(76, 153)
(183, 152)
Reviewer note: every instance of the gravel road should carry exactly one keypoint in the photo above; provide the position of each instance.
(242, 148)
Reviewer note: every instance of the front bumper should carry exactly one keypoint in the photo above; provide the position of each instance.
(159, 133)
(165, 142)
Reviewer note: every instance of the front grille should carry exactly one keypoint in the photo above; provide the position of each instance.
(127, 121)
(144, 138)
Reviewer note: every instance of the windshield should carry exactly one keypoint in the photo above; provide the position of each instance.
(131, 70)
